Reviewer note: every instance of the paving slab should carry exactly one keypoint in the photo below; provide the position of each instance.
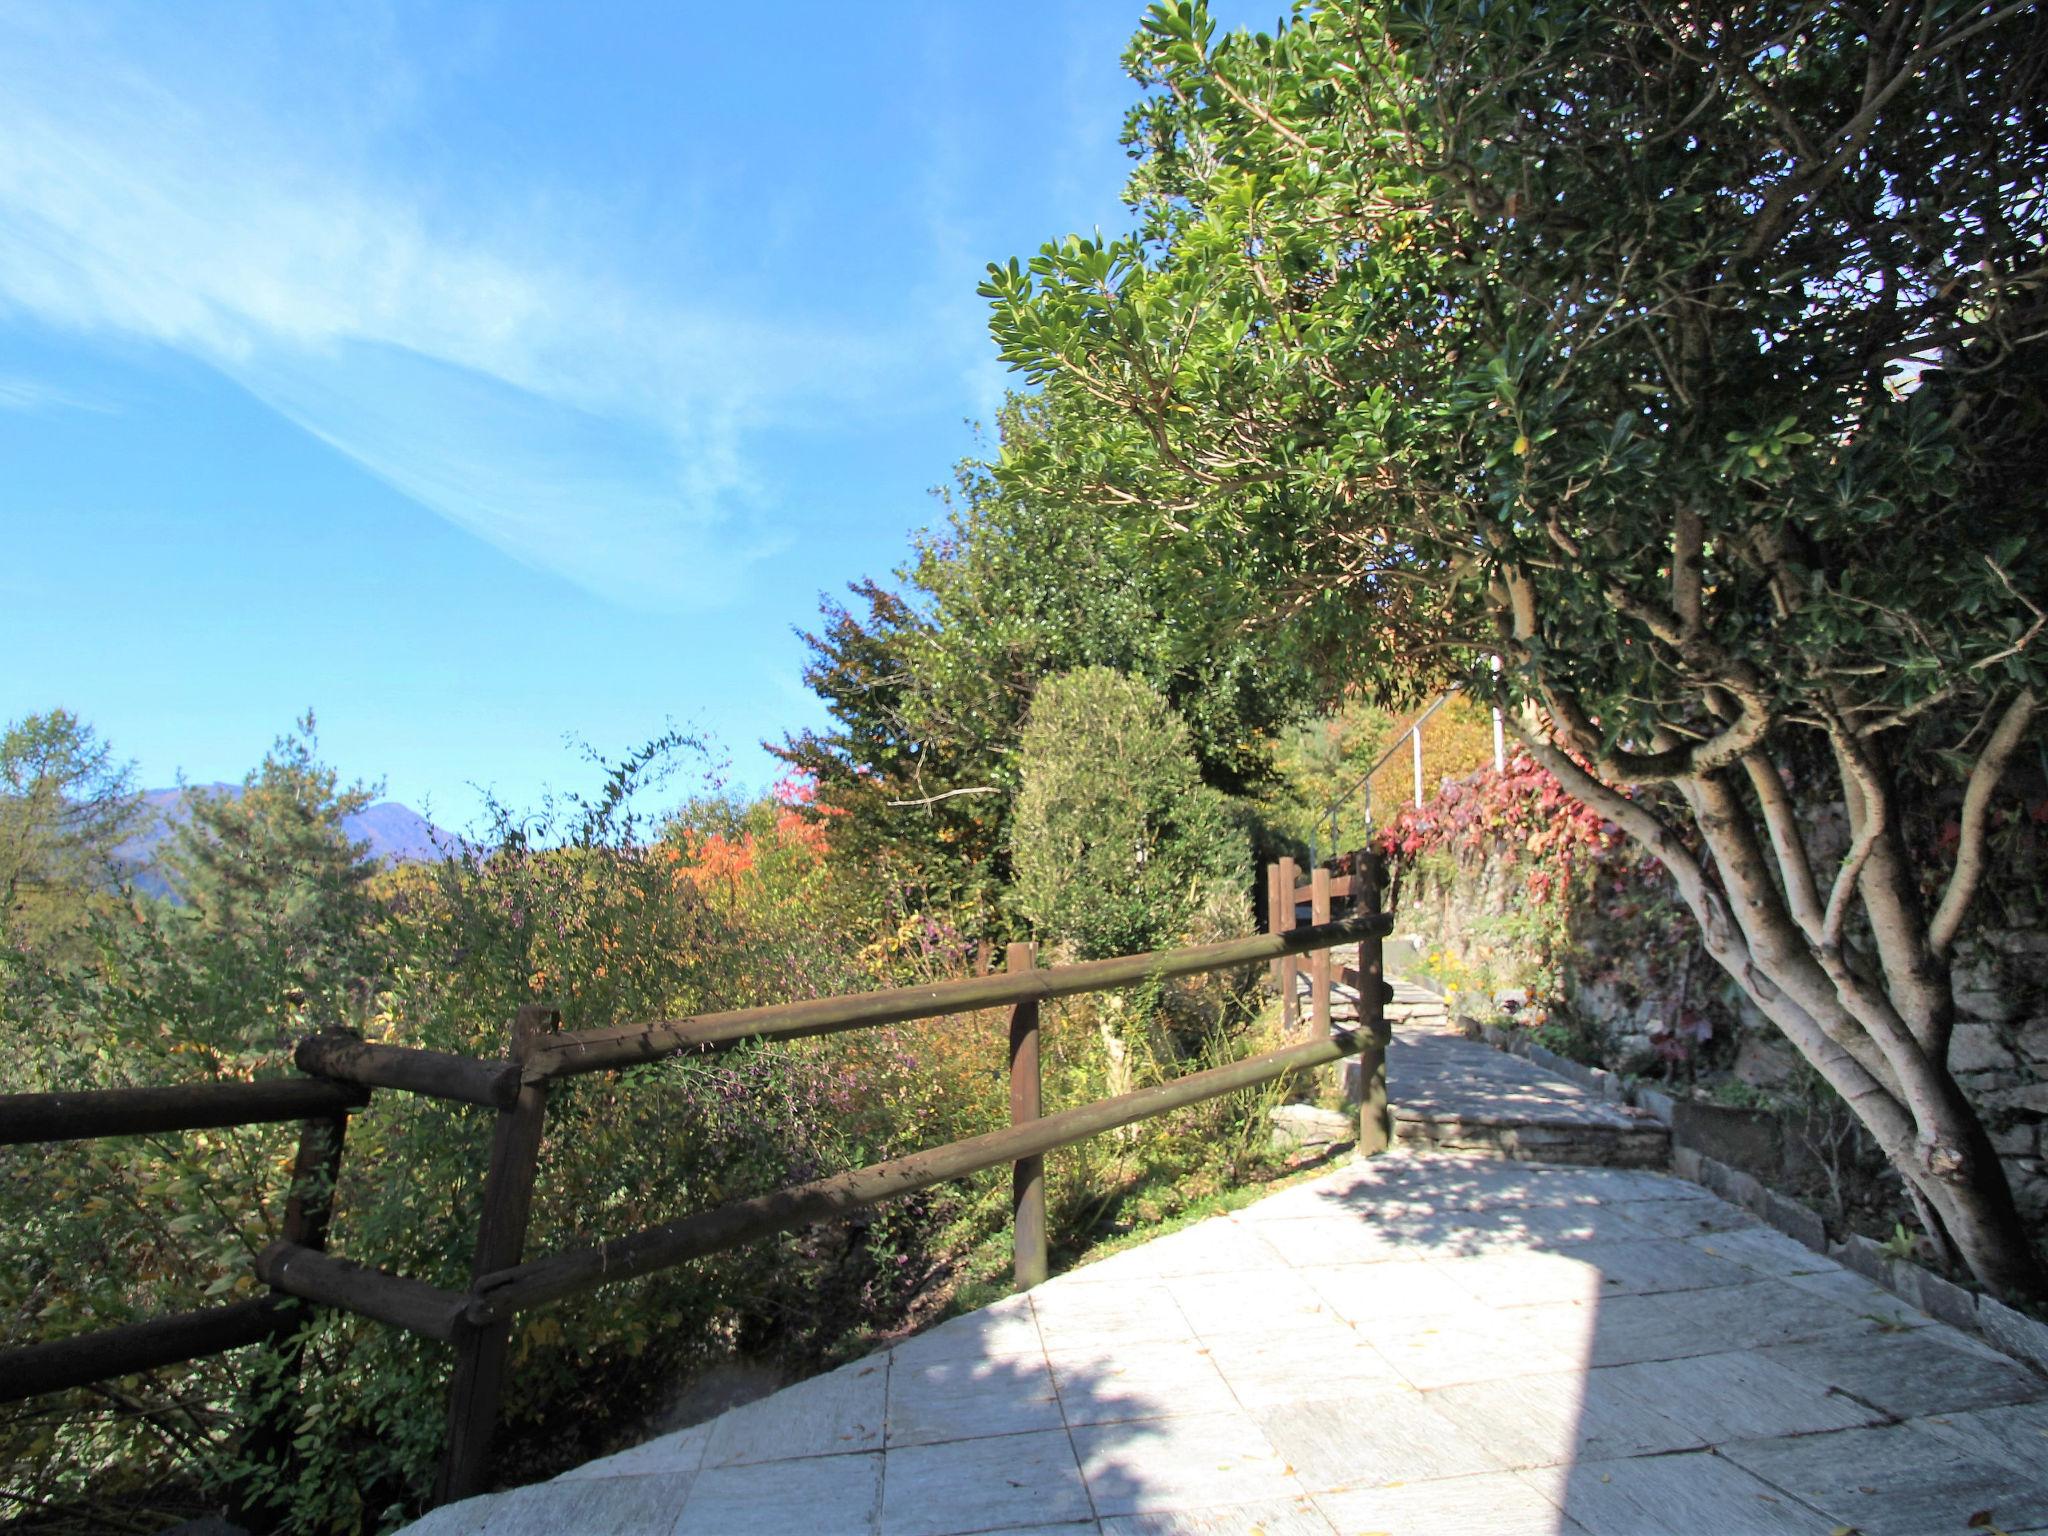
(1362, 1293)
(1695, 1491)
(1553, 1420)
(1591, 1271)
(829, 1415)
(1930, 1370)
(1737, 1396)
(1217, 1306)
(1207, 1248)
(1087, 1317)
(1308, 1362)
(1764, 1251)
(959, 1398)
(1627, 1329)
(1898, 1480)
(1188, 1462)
(678, 1453)
(1007, 1329)
(1473, 1344)
(819, 1495)
(1489, 1504)
(1372, 1438)
(1688, 1218)
(1424, 1342)
(600, 1506)
(983, 1484)
(2016, 1434)
(1271, 1517)
(1111, 1385)
(1864, 1298)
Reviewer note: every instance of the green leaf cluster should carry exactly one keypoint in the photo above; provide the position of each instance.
(1118, 842)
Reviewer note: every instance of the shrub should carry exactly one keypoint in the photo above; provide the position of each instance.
(1118, 844)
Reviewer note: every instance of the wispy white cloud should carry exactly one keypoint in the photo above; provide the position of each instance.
(24, 394)
(499, 372)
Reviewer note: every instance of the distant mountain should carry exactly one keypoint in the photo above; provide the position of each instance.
(397, 834)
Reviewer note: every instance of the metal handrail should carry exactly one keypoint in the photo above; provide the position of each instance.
(1343, 797)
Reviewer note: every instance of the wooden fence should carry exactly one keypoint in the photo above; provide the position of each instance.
(342, 1070)
(1356, 880)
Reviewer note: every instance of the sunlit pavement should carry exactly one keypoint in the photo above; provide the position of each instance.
(1425, 1342)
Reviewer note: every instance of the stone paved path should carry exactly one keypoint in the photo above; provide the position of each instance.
(1460, 1095)
(1424, 1343)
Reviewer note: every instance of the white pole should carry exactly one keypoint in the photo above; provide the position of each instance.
(1415, 735)
(1500, 736)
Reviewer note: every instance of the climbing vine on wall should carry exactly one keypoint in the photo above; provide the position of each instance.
(1522, 808)
(1545, 902)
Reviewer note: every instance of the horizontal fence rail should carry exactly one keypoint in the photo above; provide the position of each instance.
(599, 1050)
(343, 1071)
(143, 1346)
(694, 1237)
(434, 1074)
(43, 1117)
(411, 1305)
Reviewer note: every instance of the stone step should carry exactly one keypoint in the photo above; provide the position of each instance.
(1451, 1094)
(1534, 1141)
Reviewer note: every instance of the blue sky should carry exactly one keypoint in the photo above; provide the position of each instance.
(489, 378)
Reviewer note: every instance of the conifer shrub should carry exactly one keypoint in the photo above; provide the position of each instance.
(1118, 846)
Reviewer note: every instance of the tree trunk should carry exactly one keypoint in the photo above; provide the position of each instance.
(1850, 1029)
(1886, 1056)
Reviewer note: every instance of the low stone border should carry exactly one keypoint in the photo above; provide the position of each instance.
(2005, 1329)
(2012, 1332)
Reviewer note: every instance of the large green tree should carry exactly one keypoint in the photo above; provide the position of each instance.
(930, 684)
(1690, 358)
(66, 804)
(274, 933)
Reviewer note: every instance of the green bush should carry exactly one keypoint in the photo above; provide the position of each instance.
(1118, 845)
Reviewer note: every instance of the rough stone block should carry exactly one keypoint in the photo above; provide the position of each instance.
(2030, 1096)
(2028, 946)
(1715, 1175)
(2033, 1041)
(1747, 1138)
(1685, 1162)
(1660, 1104)
(1982, 991)
(1796, 1221)
(2015, 1333)
(1303, 1126)
(2015, 1140)
(1764, 1062)
(1744, 1190)
(1859, 1253)
(1944, 1299)
(1977, 1048)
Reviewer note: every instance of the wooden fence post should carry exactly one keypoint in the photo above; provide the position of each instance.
(1375, 1116)
(1319, 962)
(480, 1351)
(308, 1212)
(1027, 1174)
(1290, 1007)
(1273, 917)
